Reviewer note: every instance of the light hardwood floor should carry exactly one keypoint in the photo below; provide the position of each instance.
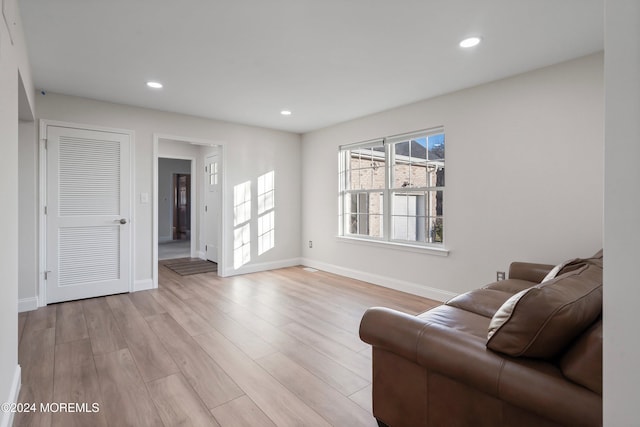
(274, 348)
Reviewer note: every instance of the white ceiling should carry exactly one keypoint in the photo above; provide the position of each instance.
(327, 61)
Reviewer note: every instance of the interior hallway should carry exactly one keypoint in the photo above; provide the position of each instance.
(174, 249)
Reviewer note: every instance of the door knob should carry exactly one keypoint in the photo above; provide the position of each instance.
(122, 221)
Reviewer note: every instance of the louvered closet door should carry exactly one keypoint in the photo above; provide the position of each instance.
(88, 230)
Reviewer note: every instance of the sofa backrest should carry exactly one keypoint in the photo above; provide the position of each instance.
(540, 322)
(580, 359)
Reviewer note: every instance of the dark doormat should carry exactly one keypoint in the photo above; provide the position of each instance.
(188, 266)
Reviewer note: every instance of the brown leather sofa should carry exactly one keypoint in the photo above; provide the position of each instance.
(514, 353)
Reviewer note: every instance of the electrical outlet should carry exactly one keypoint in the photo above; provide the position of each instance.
(500, 275)
(311, 243)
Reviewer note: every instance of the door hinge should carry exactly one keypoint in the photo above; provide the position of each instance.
(46, 274)
(205, 208)
(45, 142)
(205, 169)
(205, 248)
(45, 210)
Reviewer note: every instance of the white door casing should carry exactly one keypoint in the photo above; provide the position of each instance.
(211, 206)
(88, 231)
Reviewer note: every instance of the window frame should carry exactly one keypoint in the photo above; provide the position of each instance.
(343, 190)
(388, 192)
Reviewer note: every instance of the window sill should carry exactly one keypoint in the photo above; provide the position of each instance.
(395, 245)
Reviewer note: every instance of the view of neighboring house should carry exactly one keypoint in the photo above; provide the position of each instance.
(417, 177)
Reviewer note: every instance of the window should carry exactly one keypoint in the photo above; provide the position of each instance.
(213, 173)
(363, 182)
(392, 189)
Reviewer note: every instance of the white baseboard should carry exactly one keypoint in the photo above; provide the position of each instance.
(6, 418)
(27, 304)
(142, 285)
(263, 266)
(387, 282)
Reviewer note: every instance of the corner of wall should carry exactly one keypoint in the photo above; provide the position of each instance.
(6, 419)
(16, 96)
(27, 304)
(27, 107)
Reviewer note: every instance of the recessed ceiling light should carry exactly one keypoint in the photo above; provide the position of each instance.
(154, 85)
(470, 42)
(285, 112)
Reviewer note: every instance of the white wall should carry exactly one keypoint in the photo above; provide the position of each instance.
(14, 66)
(28, 218)
(622, 213)
(249, 152)
(523, 180)
(166, 169)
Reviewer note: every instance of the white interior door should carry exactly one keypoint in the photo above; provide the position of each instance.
(88, 211)
(212, 206)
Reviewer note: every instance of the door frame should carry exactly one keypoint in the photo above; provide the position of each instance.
(194, 226)
(42, 198)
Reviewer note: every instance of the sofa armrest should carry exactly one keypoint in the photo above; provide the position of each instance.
(529, 271)
(392, 330)
(453, 353)
(536, 386)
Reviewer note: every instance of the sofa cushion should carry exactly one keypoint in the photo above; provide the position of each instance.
(484, 302)
(511, 286)
(531, 272)
(460, 320)
(582, 363)
(560, 269)
(543, 320)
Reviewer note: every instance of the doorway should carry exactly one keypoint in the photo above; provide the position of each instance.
(181, 206)
(194, 150)
(174, 208)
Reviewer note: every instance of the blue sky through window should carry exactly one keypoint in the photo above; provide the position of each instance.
(435, 145)
(435, 140)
